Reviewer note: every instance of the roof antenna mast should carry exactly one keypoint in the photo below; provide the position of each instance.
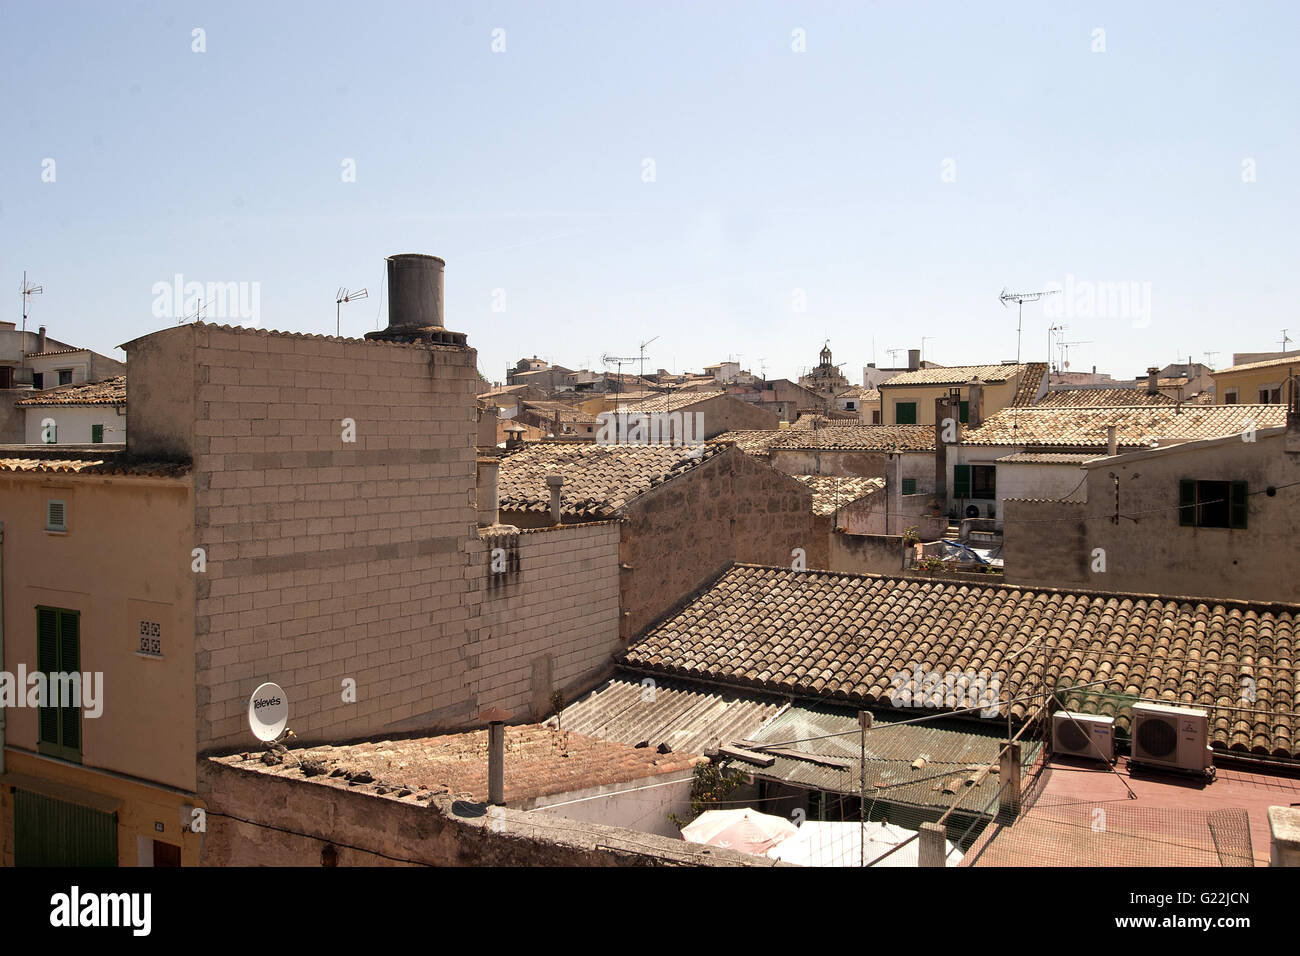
(30, 290)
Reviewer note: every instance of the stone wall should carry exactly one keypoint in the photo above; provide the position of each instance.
(866, 553)
(730, 508)
(255, 819)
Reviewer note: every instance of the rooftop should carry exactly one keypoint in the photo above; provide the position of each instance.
(1092, 397)
(670, 402)
(961, 374)
(599, 480)
(860, 438)
(539, 762)
(1085, 427)
(830, 494)
(1293, 359)
(843, 638)
(111, 391)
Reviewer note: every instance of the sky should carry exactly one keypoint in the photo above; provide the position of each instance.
(740, 180)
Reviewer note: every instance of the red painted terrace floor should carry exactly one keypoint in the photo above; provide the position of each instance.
(1080, 814)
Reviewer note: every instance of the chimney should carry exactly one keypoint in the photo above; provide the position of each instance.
(975, 399)
(514, 436)
(1112, 442)
(913, 359)
(40, 339)
(496, 719)
(555, 483)
(488, 469)
(1153, 380)
(415, 302)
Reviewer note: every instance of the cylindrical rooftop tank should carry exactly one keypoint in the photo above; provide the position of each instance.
(414, 291)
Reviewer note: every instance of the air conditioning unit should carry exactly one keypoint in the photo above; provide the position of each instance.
(1175, 738)
(1083, 735)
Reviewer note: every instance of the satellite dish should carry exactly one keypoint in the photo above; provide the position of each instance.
(268, 712)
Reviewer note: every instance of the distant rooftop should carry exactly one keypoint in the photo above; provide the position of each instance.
(1085, 427)
(111, 391)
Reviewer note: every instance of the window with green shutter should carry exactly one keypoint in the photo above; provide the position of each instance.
(909, 486)
(964, 414)
(96, 434)
(905, 413)
(961, 481)
(58, 651)
(1212, 504)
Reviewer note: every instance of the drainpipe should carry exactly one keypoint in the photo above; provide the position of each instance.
(2, 642)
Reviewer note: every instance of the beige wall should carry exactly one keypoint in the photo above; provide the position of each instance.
(1248, 383)
(1052, 544)
(147, 726)
(73, 423)
(997, 396)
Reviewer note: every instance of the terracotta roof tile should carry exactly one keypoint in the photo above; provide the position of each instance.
(1135, 426)
(92, 466)
(111, 391)
(1027, 391)
(829, 494)
(960, 374)
(1092, 397)
(599, 480)
(861, 438)
(840, 637)
(670, 402)
(1293, 359)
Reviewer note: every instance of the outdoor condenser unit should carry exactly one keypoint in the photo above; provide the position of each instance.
(1083, 735)
(1175, 738)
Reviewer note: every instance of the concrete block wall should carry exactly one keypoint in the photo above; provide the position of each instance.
(553, 625)
(326, 558)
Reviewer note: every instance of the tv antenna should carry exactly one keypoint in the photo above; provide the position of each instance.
(893, 355)
(343, 295)
(196, 315)
(1065, 353)
(617, 360)
(1020, 298)
(1209, 358)
(1285, 339)
(28, 291)
(643, 345)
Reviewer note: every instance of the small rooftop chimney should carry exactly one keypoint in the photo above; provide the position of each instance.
(1112, 441)
(496, 718)
(555, 483)
(514, 436)
(1153, 380)
(913, 359)
(415, 302)
(975, 403)
(40, 339)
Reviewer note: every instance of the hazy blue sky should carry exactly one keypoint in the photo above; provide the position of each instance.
(774, 170)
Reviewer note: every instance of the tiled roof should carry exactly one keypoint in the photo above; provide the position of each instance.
(1135, 426)
(960, 374)
(92, 466)
(835, 419)
(1094, 397)
(1045, 458)
(1027, 391)
(829, 494)
(49, 352)
(754, 441)
(567, 412)
(671, 402)
(599, 480)
(111, 391)
(861, 438)
(1267, 363)
(840, 637)
(1172, 382)
(860, 391)
(539, 762)
(683, 717)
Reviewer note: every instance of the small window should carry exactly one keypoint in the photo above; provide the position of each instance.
(909, 486)
(905, 413)
(56, 517)
(58, 651)
(849, 406)
(1230, 397)
(875, 417)
(964, 412)
(38, 380)
(6, 376)
(65, 376)
(1212, 504)
(96, 434)
(983, 481)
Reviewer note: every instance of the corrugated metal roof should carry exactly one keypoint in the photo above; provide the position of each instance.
(688, 718)
(948, 754)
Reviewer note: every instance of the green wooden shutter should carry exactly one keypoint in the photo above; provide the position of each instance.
(909, 486)
(1187, 502)
(70, 662)
(964, 414)
(96, 434)
(47, 661)
(961, 481)
(905, 413)
(1237, 505)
